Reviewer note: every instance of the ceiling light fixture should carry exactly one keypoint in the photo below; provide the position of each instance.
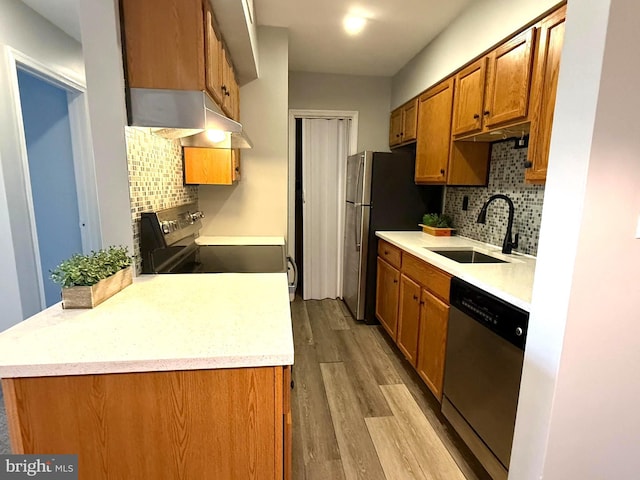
(353, 24)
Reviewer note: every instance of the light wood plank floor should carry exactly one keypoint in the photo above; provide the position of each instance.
(359, 409)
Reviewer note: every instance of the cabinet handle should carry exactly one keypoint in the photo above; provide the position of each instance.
(476, 116)
(415, 297)
(442, 171)
(486, 113)
(386, 252)
(421, 303)
(224, 89)
(528, 164)
(395, 281)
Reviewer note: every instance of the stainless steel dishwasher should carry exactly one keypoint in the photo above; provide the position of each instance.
(485, 351)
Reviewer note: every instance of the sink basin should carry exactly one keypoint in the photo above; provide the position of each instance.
(468, 256)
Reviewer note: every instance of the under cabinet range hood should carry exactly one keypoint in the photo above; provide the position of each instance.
(184, 115)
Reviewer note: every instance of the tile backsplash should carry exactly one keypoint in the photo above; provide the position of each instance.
(155, 178)
(506, 176)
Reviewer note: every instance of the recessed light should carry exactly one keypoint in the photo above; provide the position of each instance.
(353, 24)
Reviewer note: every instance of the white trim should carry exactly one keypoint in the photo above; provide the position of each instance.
(82, 148)
(353, 149)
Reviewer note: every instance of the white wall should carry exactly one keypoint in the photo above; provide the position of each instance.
(100, 27)
(257, 204)
(25, 31)
(369, 96)
(578, 414)
(483, 24)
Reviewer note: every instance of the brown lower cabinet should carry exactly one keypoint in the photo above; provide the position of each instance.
(226, 423)
(419, 292)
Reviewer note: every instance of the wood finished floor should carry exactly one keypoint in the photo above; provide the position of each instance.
(359, 409)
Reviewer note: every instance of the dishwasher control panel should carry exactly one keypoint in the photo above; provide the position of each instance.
(505, 319)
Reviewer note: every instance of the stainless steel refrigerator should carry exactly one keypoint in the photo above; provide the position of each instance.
(381, 195)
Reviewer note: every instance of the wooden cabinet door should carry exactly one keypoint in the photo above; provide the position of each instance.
(434, 133)
(387, 289)
(543, 93)
(208, 166)
(468, 100)
(164, 43)
(434, 320)
(235, 164)
(409, 318)
(213, 51)
(395, 127)
(227, 79)
(508, 82)
(409, 121)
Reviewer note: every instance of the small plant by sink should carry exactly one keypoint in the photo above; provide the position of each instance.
(437, 224)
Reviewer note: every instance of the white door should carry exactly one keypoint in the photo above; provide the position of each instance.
(324, 155)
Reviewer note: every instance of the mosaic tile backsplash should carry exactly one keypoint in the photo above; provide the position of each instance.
(506, 176)
(155, 178)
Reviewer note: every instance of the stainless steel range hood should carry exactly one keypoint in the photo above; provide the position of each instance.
(183, 114)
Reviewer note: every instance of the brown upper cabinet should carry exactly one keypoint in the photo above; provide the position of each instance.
(211, 166)
(438, 159)
(493, 91)
(543, 93)
(434, 133)
(173, 44)
(403, 124)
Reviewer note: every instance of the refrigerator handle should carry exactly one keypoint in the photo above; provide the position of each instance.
(358, 175)
(356, 226)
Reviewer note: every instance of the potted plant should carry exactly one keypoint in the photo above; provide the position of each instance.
(437, 224)
(88, 280)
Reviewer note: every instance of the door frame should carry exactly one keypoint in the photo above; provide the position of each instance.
(291, 196)
(81, 144)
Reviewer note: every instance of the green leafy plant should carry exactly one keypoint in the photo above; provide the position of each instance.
(87, 270)
(437, 220)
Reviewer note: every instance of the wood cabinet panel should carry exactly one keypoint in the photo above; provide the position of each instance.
(410, 121)
(387, 290)
(543, 95)
(508, 81)
(434, 320)
(390, 253)
(227, 423)
(427, 275)
(409, 318)
(395, 127)
(164, 44)
(434, 133)
(214, 56)
(469, 98)
(212, 166)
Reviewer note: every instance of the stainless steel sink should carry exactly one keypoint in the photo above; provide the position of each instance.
(467, 256)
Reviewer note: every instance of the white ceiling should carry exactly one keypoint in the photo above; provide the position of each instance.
(397, 30)
(62, 13)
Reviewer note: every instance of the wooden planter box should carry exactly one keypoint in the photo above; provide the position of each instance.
(438, 232)
(89, 297)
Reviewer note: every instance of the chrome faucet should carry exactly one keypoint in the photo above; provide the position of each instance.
(507, 244)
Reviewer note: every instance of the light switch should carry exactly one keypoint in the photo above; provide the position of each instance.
(638, 228)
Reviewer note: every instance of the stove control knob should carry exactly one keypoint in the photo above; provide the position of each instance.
(519, 331)
(165, 227)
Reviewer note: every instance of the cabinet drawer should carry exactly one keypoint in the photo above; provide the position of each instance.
(428, 276)
(391, 254)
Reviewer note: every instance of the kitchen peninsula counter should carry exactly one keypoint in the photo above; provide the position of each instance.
(511, 281)
(177, 376)
(160, 323)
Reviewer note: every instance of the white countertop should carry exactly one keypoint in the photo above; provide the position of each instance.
(239, 240)
(160, 323)
(512, 282)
